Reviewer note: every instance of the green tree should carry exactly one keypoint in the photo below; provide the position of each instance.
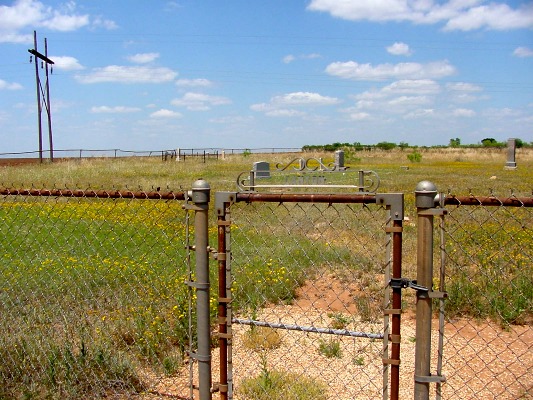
(489, 142)
(455, 142)
(386, 145)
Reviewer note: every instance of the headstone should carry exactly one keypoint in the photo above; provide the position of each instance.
(261, 169)
(511, 154)
(339, 160)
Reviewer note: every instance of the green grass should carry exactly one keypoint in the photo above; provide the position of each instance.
(277, 385)
(100, 283)
(491, 273)
(93, 295)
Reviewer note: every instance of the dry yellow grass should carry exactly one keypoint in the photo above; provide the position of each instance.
(459, 170)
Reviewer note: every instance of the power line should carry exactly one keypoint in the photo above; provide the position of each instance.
(45, 94)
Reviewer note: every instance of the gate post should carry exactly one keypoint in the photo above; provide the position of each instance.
(425, 193)
(200, 197)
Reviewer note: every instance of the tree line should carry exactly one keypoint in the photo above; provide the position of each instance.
(454, 142)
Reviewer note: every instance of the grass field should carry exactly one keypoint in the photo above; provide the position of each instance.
(93, 291)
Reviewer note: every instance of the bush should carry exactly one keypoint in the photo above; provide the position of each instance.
(414, 156)
(386, 145)
(277, 385)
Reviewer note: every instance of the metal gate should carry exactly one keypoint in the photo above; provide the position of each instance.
(309, 295)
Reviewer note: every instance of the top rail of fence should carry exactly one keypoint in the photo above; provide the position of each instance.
(116, 153)
(472, 200)
(105, 194)
(305, 198)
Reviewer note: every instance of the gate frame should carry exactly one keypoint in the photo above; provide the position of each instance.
(393, 202)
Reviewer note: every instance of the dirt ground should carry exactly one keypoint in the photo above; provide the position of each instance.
(481, 361)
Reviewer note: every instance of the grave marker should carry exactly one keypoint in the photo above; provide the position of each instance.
(261, 169)
(511, 154)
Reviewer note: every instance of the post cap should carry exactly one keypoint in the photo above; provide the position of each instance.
(426, 193)
(200, 191)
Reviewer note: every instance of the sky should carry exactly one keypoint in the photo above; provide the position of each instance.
(153, 75)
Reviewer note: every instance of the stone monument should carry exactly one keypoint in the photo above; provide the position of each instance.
(261, 169)
(511, 154)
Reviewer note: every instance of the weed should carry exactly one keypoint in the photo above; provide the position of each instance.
(367, 308)
(278, 385)
(262, 338)
(339, 321)
(330, 348)
(360, 360)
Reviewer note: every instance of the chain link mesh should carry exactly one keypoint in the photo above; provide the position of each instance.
(299, 269)
(489, 310)
(93, 300)
(92, 296)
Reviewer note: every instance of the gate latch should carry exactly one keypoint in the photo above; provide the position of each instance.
(402, 283)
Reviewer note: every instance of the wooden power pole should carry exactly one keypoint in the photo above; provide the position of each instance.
(45, 95)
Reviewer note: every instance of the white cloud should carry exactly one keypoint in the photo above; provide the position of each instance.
(164, 113)
(25, 14)
(523, 52)
(498, 113)
(123, 74)
(65, 23)
(9, 86)
(492, 16)
(66, 63)
(368, 72)
(291, 57)
(463, 92)
(359, 116)
(412, 86)
(420, 113)
(280, 106)
(199, 101)
(232, 119)
(455, 14)
(200, 82)
(304, 98)
(285, 113)
(463, 87)
(114, 110)
(399, 49)
(409, 101)
(99, 22)
(143, 58)
(385, 10)
(463, 112)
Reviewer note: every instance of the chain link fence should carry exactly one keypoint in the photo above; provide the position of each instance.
(93, 300)
(487, 245)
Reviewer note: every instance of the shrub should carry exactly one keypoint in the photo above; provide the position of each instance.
(414, 156)
(330, 348)
(277, 385)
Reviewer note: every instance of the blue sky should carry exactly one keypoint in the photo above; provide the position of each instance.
(151, 75)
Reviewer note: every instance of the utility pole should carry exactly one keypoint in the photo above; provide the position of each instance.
(45, 94)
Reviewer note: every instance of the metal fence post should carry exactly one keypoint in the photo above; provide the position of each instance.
(200, 197)
(425, 199)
